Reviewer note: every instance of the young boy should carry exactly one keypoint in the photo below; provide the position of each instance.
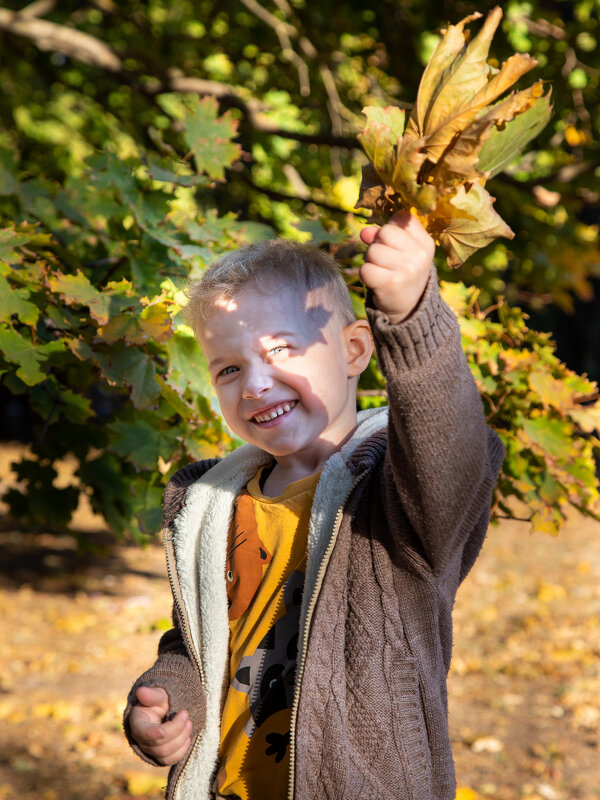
(314, 569)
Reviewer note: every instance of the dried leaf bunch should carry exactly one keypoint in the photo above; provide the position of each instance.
(436, 160)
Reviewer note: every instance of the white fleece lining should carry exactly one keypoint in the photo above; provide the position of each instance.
(200, 544)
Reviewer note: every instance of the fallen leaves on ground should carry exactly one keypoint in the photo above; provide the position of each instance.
(524, 686)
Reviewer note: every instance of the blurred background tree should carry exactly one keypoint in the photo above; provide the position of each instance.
(117, 123)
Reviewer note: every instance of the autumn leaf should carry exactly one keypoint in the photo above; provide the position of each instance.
(134, 327)
(77, 290)
(459, 133)
(467, 221)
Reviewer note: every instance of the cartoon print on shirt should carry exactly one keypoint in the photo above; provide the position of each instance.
(246, 557)
(268, 675)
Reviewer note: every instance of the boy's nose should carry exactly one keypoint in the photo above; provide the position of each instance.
(257, 382)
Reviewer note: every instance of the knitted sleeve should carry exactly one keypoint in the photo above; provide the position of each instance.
(442, 459)
(173, 670)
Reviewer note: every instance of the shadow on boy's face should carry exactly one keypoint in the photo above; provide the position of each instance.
(267, 349)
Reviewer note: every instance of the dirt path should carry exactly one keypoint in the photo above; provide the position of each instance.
(524, 687)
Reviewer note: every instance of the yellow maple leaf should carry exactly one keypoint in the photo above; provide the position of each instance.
(459, 133)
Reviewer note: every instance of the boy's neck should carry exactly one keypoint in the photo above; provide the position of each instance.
(279, 479)
(289, 469)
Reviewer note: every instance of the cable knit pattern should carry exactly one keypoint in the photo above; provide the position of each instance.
(372, 708)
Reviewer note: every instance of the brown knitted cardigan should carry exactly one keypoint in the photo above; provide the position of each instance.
(376, 631)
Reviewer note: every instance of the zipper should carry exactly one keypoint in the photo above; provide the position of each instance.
(178, 600)
(182, 616)
(309, 612)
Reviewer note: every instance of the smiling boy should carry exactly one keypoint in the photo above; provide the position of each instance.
(314, 569)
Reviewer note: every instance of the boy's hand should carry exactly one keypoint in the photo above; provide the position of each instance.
(397, 264)
(165, 740)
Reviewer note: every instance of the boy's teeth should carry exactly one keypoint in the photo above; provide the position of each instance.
(277, 412)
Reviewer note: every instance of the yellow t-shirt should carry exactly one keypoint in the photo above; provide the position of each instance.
(266, 561)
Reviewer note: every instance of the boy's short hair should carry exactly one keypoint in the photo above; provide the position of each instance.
(267, 264)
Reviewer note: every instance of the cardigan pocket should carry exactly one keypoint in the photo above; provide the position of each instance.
(410, 729)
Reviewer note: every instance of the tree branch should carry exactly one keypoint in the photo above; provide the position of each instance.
(38, 8)
(274, 194)
(69, 41)
(284, 31)
(48, 36)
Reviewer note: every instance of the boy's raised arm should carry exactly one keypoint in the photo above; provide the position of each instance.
(442, 458)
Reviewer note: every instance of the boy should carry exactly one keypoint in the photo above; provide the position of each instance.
(314, 570)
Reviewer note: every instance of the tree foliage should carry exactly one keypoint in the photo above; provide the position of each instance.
(141, 140)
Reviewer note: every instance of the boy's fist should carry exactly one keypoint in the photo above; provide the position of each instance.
(165, 740)
(397, 264)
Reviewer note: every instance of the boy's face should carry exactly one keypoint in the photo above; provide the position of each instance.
(283, 366)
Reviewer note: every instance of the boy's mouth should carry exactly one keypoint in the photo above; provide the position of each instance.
(275, 411)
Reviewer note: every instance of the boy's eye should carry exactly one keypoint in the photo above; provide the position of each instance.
(228, 371)
(278, 348)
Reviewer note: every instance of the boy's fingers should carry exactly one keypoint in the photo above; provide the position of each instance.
(175, 755)
(168, 743)
(153, 697)
(150, 733)
(403, 229)
(368, 235)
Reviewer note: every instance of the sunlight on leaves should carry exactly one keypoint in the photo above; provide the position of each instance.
(436, 166)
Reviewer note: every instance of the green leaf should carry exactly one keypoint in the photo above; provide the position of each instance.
(127, 365)
(172, 394)
(9, 182)
(187, 365)
(210, 137)
(503, 146)
(43, 503)
(380, 136)
(148, 500)
(167, 175)
(106, 171)
(141, 443)
(18, 350)
(16, 302)
(553, 436)
(74, 408)
(111, 497)
(11, 239)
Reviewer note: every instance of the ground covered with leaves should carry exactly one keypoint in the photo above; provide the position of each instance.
(79, 625)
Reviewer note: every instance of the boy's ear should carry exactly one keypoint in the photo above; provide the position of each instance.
(359, 346)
